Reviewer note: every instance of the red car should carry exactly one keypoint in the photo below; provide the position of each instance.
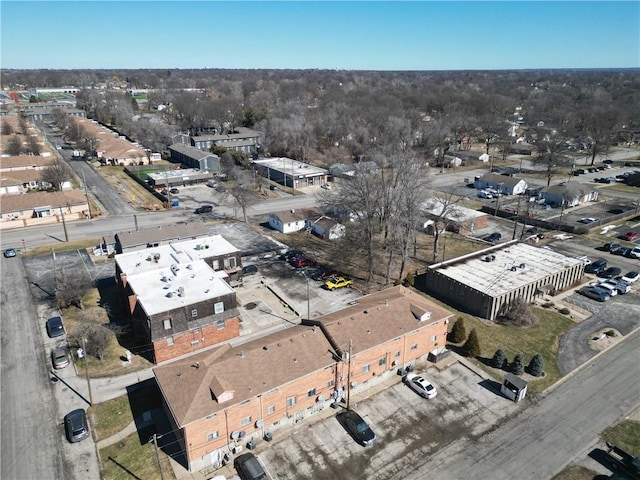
(630, 236)
(302, 262)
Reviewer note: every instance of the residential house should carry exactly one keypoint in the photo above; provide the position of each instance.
(289, 221)
(521, 148)
(22, 181)
(218, 399)
(176, 302)
(326, 228)
(452, 217)
(26, 162)
(571, 194)
(501, 183)
(39, 208)
(193, 157)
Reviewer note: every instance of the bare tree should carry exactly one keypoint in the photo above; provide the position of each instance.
(443, 207)
(244, 192)
(551, 147)
(7, 129)
(56, 174)
(14, 146)
(96, 337)
(33, 146)
(71, 289)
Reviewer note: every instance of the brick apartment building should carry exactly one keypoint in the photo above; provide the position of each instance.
(219, 399)
(177, 301)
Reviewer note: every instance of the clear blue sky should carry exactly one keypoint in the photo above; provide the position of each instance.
(324, 35)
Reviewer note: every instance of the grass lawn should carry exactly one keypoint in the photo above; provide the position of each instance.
(544, 339)
(134, 458)
(625, 435)
(96, 303)
(128, 188)
(62, 247)
(576, 472)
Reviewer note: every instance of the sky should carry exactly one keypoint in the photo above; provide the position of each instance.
(361, 35)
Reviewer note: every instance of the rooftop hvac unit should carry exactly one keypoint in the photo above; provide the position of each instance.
(522, 265)
(514, 268)
(169, 295)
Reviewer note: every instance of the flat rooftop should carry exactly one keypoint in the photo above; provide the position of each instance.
(289, 166)
(177, 285)
(205, 247)
(513, 265)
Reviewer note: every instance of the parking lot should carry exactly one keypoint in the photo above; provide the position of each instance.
(408, 428)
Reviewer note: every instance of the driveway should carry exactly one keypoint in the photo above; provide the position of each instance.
(621, 313)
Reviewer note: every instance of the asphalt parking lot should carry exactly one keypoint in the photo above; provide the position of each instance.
(408, 429)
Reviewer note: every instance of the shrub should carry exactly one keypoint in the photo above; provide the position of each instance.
(535, 366)
(517, 367)
(471, 347)
(499, 358)
(519, 313)
(458, 333)
(547, 305)
(564, 311)
(610, 333)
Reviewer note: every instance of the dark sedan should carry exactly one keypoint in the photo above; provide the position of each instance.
(76, 426)
(55, 327)
(610, 272)
(357, 428)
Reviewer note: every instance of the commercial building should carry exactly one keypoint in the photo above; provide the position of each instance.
(193, 157)
(290, 173)
(178, 178)
(485, 282)
(219, 399)
(140, 239)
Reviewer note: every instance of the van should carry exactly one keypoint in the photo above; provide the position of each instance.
(249, 468)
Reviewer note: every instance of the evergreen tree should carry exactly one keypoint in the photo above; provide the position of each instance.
(471, 347)
(535, 367)
(498, 358)
(458, 333)
(517, 366)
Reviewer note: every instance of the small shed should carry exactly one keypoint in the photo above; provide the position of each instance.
(513, 387)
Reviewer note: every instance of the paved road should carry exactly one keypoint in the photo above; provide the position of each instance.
(542, 440)
(31, 435)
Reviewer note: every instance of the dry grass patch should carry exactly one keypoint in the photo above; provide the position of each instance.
(62, 247)
(625, 435)
(576, 472)
(132, 458)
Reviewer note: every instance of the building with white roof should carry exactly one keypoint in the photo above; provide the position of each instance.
(178, 295)
(484, 283)
(290, 173)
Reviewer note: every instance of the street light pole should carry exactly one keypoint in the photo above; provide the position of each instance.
(86, 194)
(86, 369)
(154, 439)
(349, 375)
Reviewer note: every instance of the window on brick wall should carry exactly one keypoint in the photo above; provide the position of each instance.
(414, 346)
(218, 307)
(166, 323)
(397, 354)
(220, 325)
(232, 262)
(271, 409)
(170, 341)
(382, 362)
(434, 338)
(212, 416)
(330, 383)
(245, 421)
(194, 313)
(311, 393)
(366, 368)
(212, 436)
(291, 401)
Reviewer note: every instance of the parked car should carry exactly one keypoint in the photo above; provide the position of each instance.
(595, 293)
(357, 428)
(621, 286)
(483, 194)
(273, 187)
(420, 385)
(302, 261)
(494, 237)
(587, 220)
(323, 273)
(337, 282)
(631, 277)
(635, 253)
(59, 357)
(290, 255)
(596, 266)
(607, 161)
(611, 247)
(623, 251)
(174, 191)
(326, 186)
(610, 272)
(630, 236)
(54, 327)
(204, 209)
(610, 286)
(10, 252)
(249, 270)
(76, 426)
(249, 468)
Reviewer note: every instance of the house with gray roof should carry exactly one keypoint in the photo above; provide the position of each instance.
(193, 157)
(501, 183)
(571, 194)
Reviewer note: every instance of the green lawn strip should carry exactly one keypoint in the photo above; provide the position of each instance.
(111, 417)
(576, 472)
(544, 339)
(625, 435)
(133, 457)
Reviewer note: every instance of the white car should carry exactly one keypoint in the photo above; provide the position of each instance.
(483, 194)
(631, 277)
(326, 186)
(588, 220)
(420, 385)
(611, 286)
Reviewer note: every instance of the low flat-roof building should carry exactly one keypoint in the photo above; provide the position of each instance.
(484, 283)
(455, 217)
(143, 238)
(178, 178)
(241, 139)
(193, 157)
(290, 173)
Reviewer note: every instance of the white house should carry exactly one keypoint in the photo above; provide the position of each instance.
(501, 183)
(288, 221)
(570, 194)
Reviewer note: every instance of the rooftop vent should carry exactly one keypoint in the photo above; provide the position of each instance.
(266, 347)
(522, 265)
(242, 354)
(196, 365)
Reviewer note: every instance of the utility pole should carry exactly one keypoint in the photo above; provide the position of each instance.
(349, 375)
(515, 224)
(86, 370)
(154, 439)
(64, 226)
(86, 194)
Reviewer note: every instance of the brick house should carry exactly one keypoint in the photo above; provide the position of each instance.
(177, 303)
(218, 399)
